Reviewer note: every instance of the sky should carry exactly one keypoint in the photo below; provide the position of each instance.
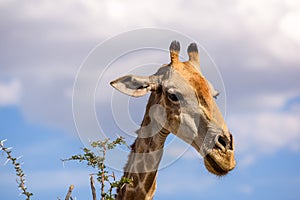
(254, 44)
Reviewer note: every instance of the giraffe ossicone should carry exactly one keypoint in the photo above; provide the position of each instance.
(182, 103)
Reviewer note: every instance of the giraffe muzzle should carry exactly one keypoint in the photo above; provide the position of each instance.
(220, 159)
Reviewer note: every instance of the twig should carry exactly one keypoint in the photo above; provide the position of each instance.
(69, 192)
(93, 187)
(102, 169)
(111, 187)
(18, 169)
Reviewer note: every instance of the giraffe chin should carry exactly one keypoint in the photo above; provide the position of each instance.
(218, 162)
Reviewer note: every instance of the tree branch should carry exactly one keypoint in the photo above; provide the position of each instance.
(68, 196)
(93, 187)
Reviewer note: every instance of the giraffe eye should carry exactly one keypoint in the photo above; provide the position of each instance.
(173, 97)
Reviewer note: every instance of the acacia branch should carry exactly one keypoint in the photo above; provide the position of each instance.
(68, 196)
(93, 187)
(18, 169)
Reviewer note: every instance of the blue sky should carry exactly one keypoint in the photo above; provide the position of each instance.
(255, 45)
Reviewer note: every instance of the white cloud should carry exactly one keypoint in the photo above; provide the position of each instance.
(253, 32)
(271, 27)
(246, 160)
(287, 25)
(10, 92)
(116, 9)
(265, 123)
(268, 101)
(264, 133)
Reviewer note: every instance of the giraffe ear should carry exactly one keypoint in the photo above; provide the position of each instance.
(131, 85)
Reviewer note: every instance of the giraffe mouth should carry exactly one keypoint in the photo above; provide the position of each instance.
(219, 162)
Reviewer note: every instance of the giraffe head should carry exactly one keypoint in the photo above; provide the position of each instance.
(182, 102)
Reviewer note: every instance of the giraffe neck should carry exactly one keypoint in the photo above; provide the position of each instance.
(142, 166)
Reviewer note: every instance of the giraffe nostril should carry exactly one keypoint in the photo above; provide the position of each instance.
(222, 143)
(221, 140)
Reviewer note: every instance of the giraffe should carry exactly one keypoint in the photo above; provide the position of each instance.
(181, 102)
